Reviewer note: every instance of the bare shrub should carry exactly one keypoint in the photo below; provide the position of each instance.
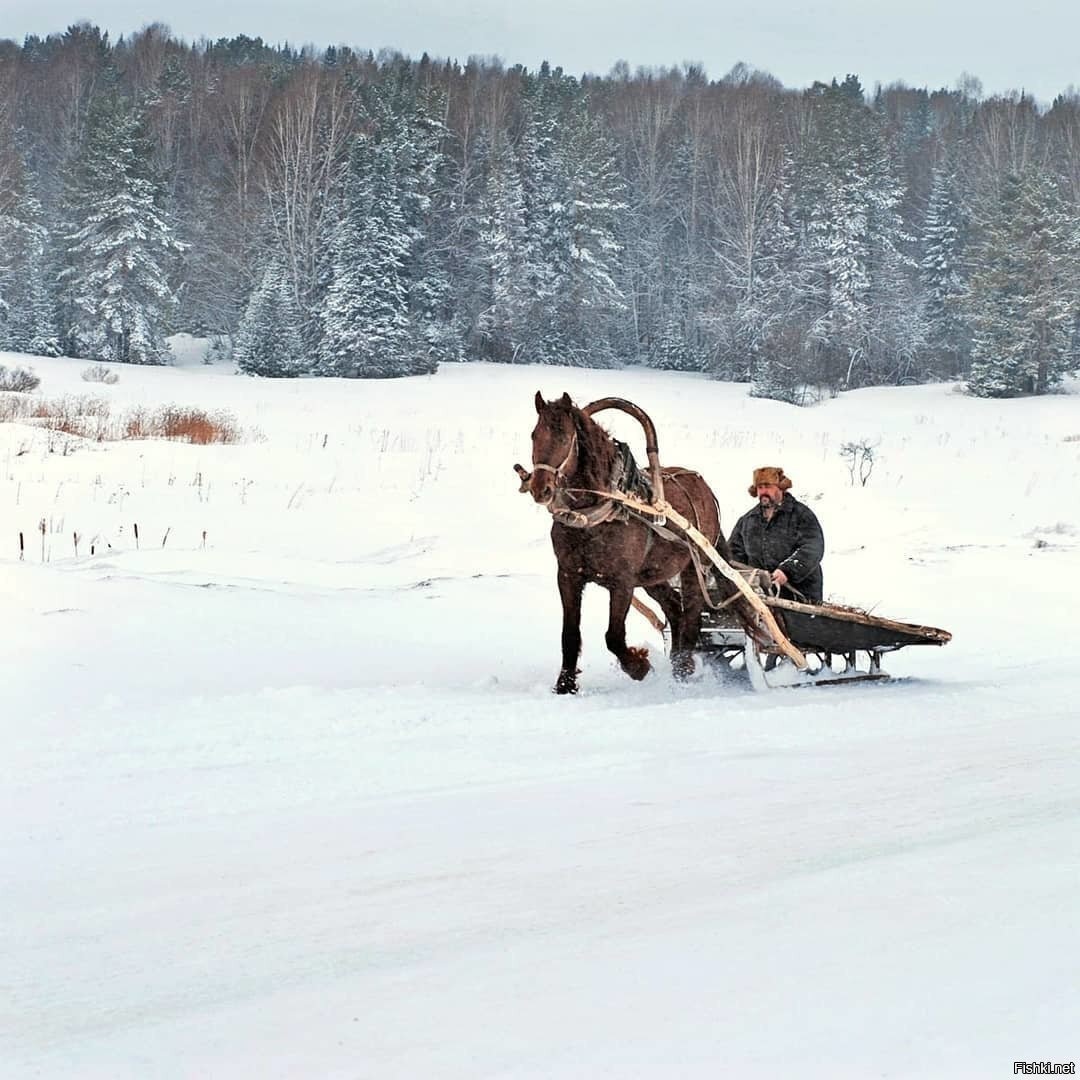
(14, 408)
(859, 458)
(18, 380)
(99, 373)
(137, 424)
(195, 426)
(85, 417)
(67, 414)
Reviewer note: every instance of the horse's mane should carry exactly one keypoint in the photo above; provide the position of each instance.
(597, 451)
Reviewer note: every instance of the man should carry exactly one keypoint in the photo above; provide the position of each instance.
(781, 535)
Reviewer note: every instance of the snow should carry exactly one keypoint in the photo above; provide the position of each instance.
(296, 800)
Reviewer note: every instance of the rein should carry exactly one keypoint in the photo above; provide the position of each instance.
(613, 506)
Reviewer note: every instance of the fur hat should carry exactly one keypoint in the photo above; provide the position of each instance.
(769, 474)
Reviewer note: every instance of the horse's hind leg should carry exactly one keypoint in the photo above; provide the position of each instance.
(667, 596)
(571, 587)
(693, 604)
(634, 661)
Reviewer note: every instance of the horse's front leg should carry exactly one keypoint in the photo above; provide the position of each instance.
(634, 661)
(571, 587)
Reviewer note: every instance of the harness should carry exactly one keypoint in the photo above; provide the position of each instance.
(626, 478)
(627, 482)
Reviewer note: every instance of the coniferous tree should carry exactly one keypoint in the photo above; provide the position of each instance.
(547, 229)
(367, 333)
(848, 196)
(672, 353)
(587, 299)
(772, 322)
(421, 169)
(119, 246)
(27, 323)
(896, 318)
(501, 243)
(942, 274)
(269, 341)
(1022, 301)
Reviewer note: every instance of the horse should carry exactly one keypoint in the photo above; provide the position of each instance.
(574, 459)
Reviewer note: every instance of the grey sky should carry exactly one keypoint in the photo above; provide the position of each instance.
(922, 42)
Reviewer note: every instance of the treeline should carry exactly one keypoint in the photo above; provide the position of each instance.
(340, 213)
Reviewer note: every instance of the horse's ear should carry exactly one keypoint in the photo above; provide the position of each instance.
(539, 402)
(565, 400)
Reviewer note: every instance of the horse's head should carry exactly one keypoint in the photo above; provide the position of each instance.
(554, 447)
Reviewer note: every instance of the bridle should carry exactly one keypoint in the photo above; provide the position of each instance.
(560, 469)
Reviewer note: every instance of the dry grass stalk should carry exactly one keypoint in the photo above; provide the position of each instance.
(90, 418)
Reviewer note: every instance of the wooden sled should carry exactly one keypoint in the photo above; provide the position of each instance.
(841, 644)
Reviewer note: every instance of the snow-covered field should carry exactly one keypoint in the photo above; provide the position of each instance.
(288, 795)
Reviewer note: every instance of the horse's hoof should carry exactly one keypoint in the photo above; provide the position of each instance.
(682, 666)
(566, 684)
(636, 664)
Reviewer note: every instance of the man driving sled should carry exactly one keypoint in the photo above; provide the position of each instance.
(781, 535)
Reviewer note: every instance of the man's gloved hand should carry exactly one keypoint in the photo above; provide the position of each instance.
(762, 581)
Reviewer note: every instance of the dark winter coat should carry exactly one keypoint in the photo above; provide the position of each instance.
(791, 541)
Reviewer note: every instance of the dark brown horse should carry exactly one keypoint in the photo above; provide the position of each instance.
(573, 457)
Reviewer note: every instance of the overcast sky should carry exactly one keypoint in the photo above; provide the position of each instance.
(1030, 46)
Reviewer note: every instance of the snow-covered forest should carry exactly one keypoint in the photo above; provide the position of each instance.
(341, 213)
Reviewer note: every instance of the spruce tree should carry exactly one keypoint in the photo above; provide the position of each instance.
(268, 341)
(573, 198)
(420, 169)
(672, 353)
(367, 331)
(942, 273)
(771, 322)
(852, 238)
(27, 323)
(501, 245)
(590, 301)
(119, 247)
(1023, 298)
(547, 231)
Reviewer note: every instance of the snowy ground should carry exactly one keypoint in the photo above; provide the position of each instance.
(295, 800)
